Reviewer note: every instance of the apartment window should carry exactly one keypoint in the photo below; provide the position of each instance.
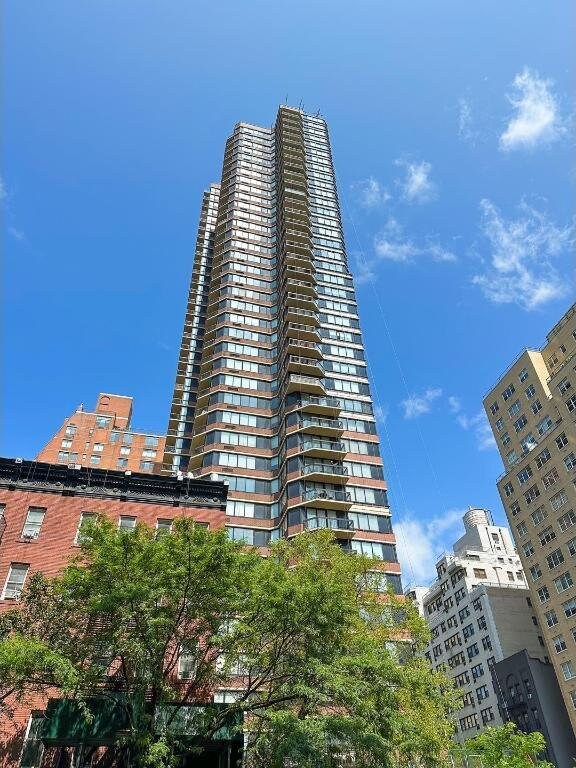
(559, 643)
(482, 692)
(66, 443)
(103, 422)
(551, 618)
(15, 581)
(555, 559)
(481, 622)
(124, 450)
(573, 698)
(85, 517)
(528, 549)
(126, 523)
(571, 403)
(70, 430)
(511, 457)
(33, 747)
(187, 662)
(505, 438)
(520, 423)
(561, 441)
(522, 529)
(487, 715)
(114, 437)
(567, 520)
(543, 426)
(539, 515)
(150, 441)
(530, 391)
(547, 535)
(95, 460)
(472, 651)
(571, 544)
(464, 613)
(570, 461)
(494, 408)
(568, 670)
(514, 508)
(563, 582)
(163, 525)
(569, 607)
(543, 594)
(147, 466)
(514, 408)
(524, 475)
(564, 386)
(63, 455)
(508, 489)
(98, 447)
(551, 478)
(532, 493)
(558, 500)
(127, 438)
(500, 424)
(468, 722)
(148, 454)
(468, 631)
(508, 392)
(543, 457)
(479, 573)
(528, 442)
(121, 463)
(523, 375)
(535, 572)
(536, 407)
(486, 643)
(477, 671)
(33, 523)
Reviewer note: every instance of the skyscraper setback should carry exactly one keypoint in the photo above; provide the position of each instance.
(271, 391)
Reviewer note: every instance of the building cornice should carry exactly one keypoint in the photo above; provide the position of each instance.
(37, 476)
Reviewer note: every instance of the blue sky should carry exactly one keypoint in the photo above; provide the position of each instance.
(451, 126)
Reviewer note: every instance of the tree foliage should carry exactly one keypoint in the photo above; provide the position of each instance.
(319, 660)
(508, 747)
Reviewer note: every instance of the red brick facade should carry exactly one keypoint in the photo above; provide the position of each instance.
(63, 494)
(102, 438)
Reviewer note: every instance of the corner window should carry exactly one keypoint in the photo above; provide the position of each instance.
(150, 441)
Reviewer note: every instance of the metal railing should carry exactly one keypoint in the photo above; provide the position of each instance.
(339, 524)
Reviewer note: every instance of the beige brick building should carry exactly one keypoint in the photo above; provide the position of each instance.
(532, 412)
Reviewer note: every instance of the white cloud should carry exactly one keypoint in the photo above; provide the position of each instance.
(522, 250)
(417, 186)
(536, 119)
(3, 191)
(466, 130)
(392, 245)
(381, 413)
(17, 234)
(478, 424)
(370, 193)
(420, 544)
(416, 405)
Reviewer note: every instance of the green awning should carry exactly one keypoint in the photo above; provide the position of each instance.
(100, 721)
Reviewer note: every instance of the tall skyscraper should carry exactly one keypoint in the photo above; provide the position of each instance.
(532, 411)
(271, 391)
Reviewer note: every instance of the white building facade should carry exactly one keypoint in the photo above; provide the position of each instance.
(479, 612)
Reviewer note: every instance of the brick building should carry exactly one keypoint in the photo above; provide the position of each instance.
(41, 507)
(103, 438)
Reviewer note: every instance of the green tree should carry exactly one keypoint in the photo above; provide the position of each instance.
(508, 747)
(320, 661)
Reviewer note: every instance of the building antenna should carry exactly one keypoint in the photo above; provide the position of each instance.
(286, 102)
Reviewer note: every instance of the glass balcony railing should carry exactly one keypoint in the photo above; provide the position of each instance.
(334, 523)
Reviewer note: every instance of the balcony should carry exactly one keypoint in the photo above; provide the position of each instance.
(319, 426)
(296, 346)
(296, 314)
(327, 406)
(329, 449)
(299, 383)
(301, 286)
(333, 524)
(322, 472)
(300, 260)
(303, 365)
(328, 498)
(304, 331)
(293, 300)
